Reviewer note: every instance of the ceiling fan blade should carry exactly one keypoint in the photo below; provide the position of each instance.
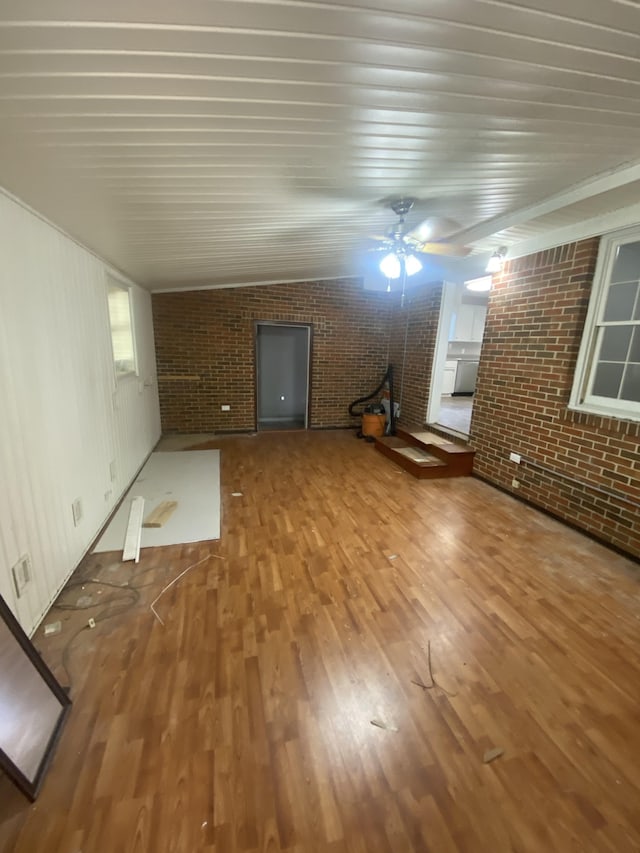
(433, 228)
(451, 249)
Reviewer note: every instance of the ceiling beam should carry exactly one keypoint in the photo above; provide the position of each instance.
(596, 226)
(609, 180)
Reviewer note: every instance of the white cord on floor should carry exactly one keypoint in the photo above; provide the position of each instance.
(175, 580)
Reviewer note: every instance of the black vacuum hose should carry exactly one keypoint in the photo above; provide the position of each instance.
(388, 377)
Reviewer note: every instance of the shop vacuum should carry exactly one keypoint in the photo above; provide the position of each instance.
(376, 420)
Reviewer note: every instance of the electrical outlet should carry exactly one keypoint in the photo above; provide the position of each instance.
(113, 470)
(225, 408)
(21, 574)
(76, 509)
(515, 457)
(515, 484)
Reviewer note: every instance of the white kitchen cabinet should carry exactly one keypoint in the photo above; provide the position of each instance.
(464, 323)
(469, 324)
(479, 319)
(449, 380)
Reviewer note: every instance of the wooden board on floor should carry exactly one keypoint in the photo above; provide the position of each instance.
(161, 514)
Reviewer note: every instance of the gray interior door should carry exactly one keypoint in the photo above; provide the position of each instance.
(282, 354)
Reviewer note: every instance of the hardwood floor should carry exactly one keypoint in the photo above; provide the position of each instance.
(244, 723)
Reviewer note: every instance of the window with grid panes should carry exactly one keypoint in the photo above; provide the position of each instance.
(608, 372)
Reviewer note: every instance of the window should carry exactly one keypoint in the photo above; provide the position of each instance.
(607, 380)
(124, 353)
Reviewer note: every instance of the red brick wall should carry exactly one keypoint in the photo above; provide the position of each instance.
(205, 350)
(537, 309)
(417, 321)
(534, 324)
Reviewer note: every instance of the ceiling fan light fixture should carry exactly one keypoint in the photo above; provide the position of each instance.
(390, 266)
(496, 261)
(412, 265)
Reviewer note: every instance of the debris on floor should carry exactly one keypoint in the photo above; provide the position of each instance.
(382, 725)
(174, 581)
(432, 679)
(236, 494)
(491, 755)
(52, 628)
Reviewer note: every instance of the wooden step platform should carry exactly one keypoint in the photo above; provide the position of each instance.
(425, 454)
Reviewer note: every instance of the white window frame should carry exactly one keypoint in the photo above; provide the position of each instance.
(115, 283)
(581, 399)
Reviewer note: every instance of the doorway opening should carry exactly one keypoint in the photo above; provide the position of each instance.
(282, 375)
(456, 358)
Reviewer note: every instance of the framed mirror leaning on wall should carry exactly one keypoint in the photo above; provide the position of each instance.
(33, 707)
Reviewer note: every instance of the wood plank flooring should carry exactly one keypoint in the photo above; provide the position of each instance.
(243, 724)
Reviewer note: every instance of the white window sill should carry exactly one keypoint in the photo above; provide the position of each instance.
(604, 412)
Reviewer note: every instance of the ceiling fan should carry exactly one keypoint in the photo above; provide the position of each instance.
(407, 244)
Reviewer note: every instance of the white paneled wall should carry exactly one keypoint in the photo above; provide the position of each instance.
(63, 416)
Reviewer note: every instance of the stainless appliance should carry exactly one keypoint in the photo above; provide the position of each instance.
(466, 374)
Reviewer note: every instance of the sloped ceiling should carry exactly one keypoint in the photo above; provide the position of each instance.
(212, 142)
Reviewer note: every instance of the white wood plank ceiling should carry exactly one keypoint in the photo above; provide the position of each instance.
(222, 141)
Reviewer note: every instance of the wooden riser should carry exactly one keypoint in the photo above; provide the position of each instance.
(445, 459)
(390, 448)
